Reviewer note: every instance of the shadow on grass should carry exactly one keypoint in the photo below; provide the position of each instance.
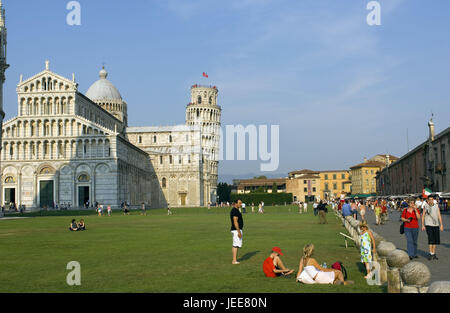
(248, 256)
(361, 267)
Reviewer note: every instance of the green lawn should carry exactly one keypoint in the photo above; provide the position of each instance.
(189, 251)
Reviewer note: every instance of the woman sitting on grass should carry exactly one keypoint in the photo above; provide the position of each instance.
(73, 226)
(81, 225)
(310, 272)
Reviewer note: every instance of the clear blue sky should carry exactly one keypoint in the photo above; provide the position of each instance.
(339, 89)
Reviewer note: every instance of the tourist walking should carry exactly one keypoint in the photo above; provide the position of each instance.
(253, 207)
(322, 210)
(354, 209)
(362, 211)
(237, 224)
(346, 209)
(109, 210)
(368, 246)
(169, 212)
(377, 214)
(411, 217)
(432, 222)
(305, 207)
(315, 205)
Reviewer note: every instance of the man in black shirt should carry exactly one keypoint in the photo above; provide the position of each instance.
(322, 209)
(237, 224)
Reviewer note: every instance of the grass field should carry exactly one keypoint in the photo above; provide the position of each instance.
(189, 251)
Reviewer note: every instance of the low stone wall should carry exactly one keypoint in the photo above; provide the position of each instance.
(396, 269)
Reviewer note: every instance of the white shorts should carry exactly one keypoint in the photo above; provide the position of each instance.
(237, 242)
(325, 278)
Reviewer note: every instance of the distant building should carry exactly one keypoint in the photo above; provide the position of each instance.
(304, 185)
(363, 175)
(333, 183)
(266, 184)
(424, 166)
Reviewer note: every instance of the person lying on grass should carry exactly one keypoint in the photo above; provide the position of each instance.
(73, 226)
(273, 266)
(310, 272)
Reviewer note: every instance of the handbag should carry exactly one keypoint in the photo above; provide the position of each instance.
(402, 228)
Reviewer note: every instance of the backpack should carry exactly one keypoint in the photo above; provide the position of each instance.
(339, 266)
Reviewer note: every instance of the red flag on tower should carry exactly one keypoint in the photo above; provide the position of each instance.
(205, 75)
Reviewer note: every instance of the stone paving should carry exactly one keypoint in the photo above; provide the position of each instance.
(440, 269)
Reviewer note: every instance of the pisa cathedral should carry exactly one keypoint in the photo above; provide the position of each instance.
(65, 147)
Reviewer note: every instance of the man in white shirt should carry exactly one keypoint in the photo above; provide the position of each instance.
(305, 207)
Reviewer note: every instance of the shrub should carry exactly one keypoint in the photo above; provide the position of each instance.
(267, 198)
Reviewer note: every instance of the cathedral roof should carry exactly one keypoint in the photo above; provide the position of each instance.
(103, 89)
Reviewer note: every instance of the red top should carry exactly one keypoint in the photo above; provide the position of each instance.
(383, 209)
(268, 267)
(414, 222)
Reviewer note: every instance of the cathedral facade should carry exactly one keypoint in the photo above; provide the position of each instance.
(67, 148)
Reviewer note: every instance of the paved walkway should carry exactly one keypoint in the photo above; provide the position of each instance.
(440, 269)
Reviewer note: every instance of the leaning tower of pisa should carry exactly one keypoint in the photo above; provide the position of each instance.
(204, 112)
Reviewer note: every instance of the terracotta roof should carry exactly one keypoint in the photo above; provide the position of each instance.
(334, 171)
(304, 171)
(261, 182)
(369, 164)
(308, 176)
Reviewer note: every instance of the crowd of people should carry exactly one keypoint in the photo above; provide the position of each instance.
(417, 214)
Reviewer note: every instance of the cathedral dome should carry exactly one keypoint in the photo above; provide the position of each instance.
(103, 89)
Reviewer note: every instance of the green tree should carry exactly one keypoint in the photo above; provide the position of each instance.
(260, 177)
(260, 189)
(223, 192)
(274, 187)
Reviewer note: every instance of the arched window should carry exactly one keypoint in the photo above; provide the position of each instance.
(164, 182)
(170, 159)
(170, 138)
(154, 139)
(210, 100)
(140, 139)
(83, 178)
(199, 100)
(10, 180)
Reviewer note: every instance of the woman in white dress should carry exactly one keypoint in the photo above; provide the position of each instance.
(310, 272)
